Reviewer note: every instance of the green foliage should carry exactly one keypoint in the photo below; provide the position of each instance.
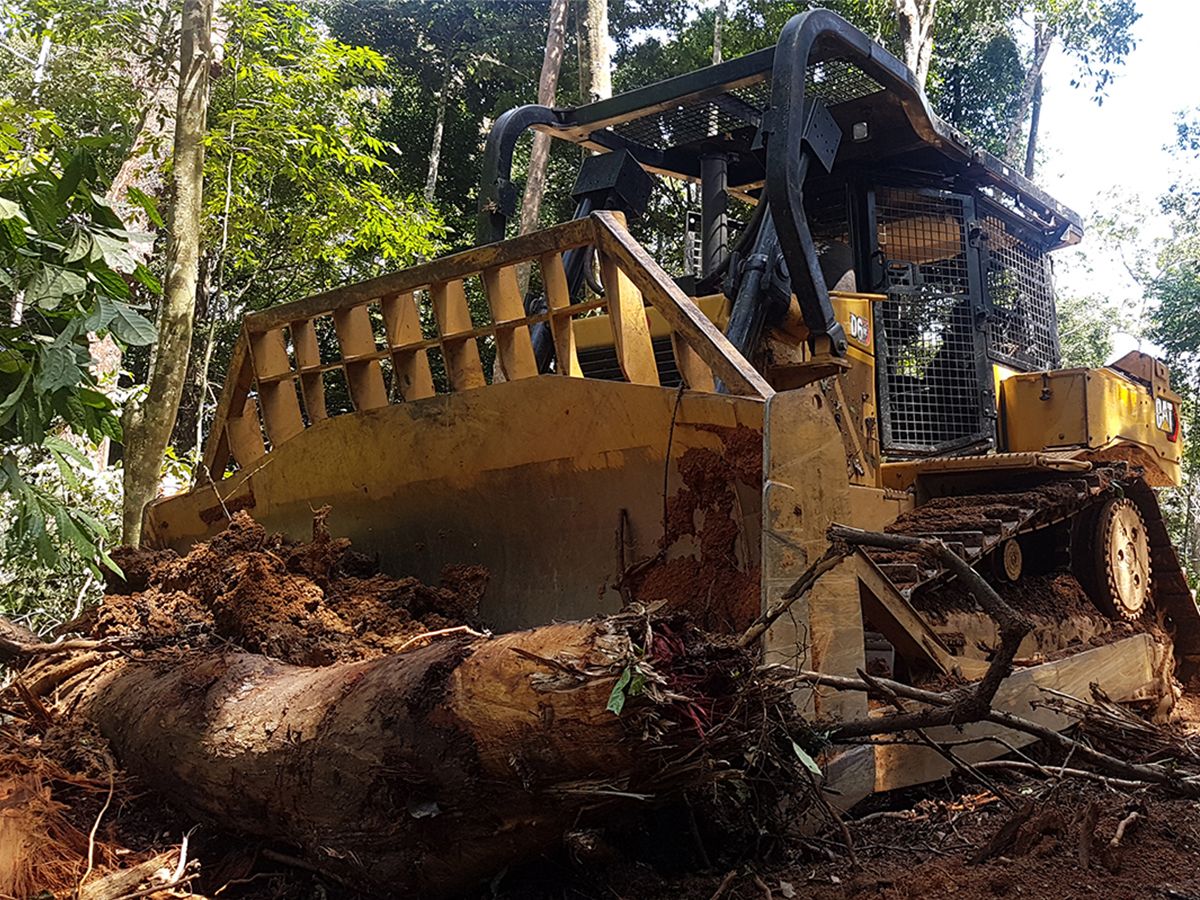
(484, 57)
(1173, 284)
(65, 271)
(294, 170)
(1085, 331)
(101, 54)
(42, 592)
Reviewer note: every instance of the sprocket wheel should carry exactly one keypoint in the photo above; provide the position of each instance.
(1122, 558)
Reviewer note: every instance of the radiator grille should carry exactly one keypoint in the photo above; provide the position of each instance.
(927, 346)
(601, 362)
(1023, 329)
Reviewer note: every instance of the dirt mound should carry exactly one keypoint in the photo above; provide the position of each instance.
(310, 604)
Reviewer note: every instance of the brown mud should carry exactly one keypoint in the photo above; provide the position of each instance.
(308, 604)
(701, 564)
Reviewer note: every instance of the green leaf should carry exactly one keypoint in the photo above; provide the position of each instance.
(112, 283)
(94, 399)
(58, 369)
(71, 176)
(146, 279)
(114, 251)
(146, 202)
(110, 427)
(11, 210)
(131, 326)
(616, 700)
(45, 290)
(52, 284)
(79, 247)
(8, 406)
(808, 761)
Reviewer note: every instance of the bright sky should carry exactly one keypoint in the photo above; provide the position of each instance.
(1091, 149)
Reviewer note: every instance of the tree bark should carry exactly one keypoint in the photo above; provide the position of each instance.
(416, 774)
(539, 154)
(1043, 40)
(439, 129)
(599, 55)
(1035, 118)
(148, 423)
(915, 19)
(718, 32)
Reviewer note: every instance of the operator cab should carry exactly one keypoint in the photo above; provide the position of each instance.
(935, 251)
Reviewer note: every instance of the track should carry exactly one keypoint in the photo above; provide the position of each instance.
(977, 526)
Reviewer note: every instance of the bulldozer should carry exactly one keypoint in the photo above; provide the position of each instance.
(874, 344)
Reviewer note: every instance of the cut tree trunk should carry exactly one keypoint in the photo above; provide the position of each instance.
(420, 773)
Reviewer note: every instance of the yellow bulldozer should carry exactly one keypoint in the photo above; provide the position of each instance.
(874, 345)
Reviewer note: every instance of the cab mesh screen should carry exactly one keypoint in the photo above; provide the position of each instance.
(833, 80)
(1023, 329)
(926, 344)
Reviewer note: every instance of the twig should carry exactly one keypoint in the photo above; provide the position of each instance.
(762, 886)
(464, 629)
(294, 861)
(1124, 825)
(175, 878)
(841, 824)
(801, 586)
(92, 833)
(965, 767)
(1062, 771)
(724, 885)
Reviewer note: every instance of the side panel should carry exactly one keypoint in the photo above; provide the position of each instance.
(1093, 409)
(528, 479)
(805, 489)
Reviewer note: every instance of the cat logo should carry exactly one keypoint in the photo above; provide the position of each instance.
(859, 329)
(1166, 418)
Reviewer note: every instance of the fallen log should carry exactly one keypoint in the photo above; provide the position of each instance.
(426, 771)
(292, 694)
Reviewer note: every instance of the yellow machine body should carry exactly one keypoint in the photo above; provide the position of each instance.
(560, 484)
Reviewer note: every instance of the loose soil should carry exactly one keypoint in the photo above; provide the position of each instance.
(701, 562)
(308, 604)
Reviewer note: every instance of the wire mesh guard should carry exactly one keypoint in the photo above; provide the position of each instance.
(1022, 328)
(926, 343)
(692, 121)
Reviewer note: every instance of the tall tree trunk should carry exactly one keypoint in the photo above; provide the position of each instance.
(599, 55)
(439, 129)
(718, 31)
(1043, 40)
(539, 154)
(149, 422)
(915, 19)
(1035, 118)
